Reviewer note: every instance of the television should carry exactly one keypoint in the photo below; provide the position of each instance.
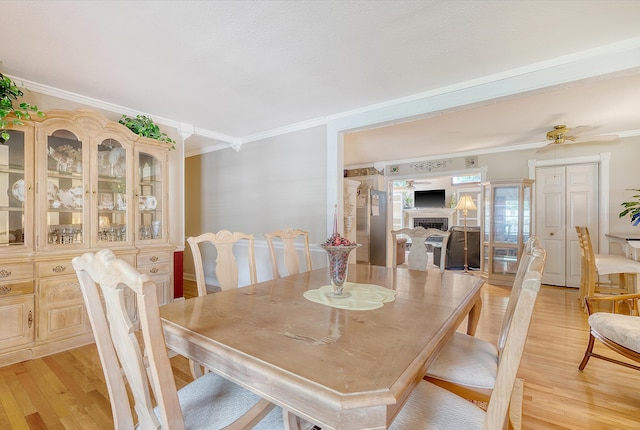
(429, 198)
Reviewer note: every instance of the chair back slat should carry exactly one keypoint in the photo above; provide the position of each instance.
(226, 263)
(290, 256)
(417, 259)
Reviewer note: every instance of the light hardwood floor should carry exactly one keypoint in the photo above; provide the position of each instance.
(67, 391)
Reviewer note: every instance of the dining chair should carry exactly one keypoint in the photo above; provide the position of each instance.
(226, 263)
(467, 365)
(616, 330)
(290, 256)
(226, 267)
(593, 265)
(227, 274)
(432, 407)
(418, 258)
(141, 359)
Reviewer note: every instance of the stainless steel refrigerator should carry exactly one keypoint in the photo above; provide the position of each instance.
(371, 227)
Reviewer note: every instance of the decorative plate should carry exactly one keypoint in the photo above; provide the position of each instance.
(18, 190)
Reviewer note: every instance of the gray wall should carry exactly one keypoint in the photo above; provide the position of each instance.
(276, 183)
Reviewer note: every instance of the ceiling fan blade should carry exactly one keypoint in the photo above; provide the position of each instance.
(547, 147)
(594, 138)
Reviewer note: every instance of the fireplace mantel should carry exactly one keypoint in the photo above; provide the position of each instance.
(410, 214)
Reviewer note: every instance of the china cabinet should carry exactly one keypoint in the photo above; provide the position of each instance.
(506, 226)
(75, 182)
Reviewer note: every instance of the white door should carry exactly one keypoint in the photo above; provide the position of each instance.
(566, 196)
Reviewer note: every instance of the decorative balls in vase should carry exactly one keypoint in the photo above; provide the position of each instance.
(338, 249)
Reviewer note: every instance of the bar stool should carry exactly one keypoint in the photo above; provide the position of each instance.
(594, 265)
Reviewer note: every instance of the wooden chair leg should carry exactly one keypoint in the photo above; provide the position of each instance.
(197, 369)
(588, 353)
(290, 420)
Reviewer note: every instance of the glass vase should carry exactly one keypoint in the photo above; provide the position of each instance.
(338, 268)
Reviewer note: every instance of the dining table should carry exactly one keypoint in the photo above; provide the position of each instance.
(630, 243)
(336, 368)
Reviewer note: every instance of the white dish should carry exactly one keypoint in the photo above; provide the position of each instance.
(18, 190)
(52, 191)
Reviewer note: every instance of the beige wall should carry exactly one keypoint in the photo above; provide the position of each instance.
(270, 184)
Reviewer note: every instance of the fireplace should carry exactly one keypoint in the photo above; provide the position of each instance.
(440, 218)
(439, 223)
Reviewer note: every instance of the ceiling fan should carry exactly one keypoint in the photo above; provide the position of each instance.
(562, 135)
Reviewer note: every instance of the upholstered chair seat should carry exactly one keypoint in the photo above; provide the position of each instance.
(469, 361)
(621, 329)
(432, 407)
(230, 402)
(614, 321)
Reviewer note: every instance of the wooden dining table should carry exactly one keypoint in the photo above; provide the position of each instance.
(337, 368)
(630, 244)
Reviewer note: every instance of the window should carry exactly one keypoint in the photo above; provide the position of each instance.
(466, 179)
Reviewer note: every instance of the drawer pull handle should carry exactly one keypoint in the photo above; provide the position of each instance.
(154, 259)
(30, 319)
(154, 270)
(5, 290)
(4, 273)
(59, 269)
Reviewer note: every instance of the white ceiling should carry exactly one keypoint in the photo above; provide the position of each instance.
(240, 70)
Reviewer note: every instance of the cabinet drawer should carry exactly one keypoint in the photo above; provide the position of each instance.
(153, 258)
(155, 269)
(55, 268)
(9, 272)
(15, 289)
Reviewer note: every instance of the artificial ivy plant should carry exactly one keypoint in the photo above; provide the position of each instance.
(144, 126)
(632, 208)
(9, 93)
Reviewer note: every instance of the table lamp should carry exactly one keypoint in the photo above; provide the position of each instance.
(465, 204)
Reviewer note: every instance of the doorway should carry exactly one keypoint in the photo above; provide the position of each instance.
(566, 196)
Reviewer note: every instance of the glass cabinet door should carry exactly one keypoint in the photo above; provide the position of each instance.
(506, 214)
(150, 197)
(526, 212)
(17, 202)
(506, 227)
(111, 222)
(65, 189)
(488, 213)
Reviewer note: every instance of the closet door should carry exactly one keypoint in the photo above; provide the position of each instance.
(566, 196)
